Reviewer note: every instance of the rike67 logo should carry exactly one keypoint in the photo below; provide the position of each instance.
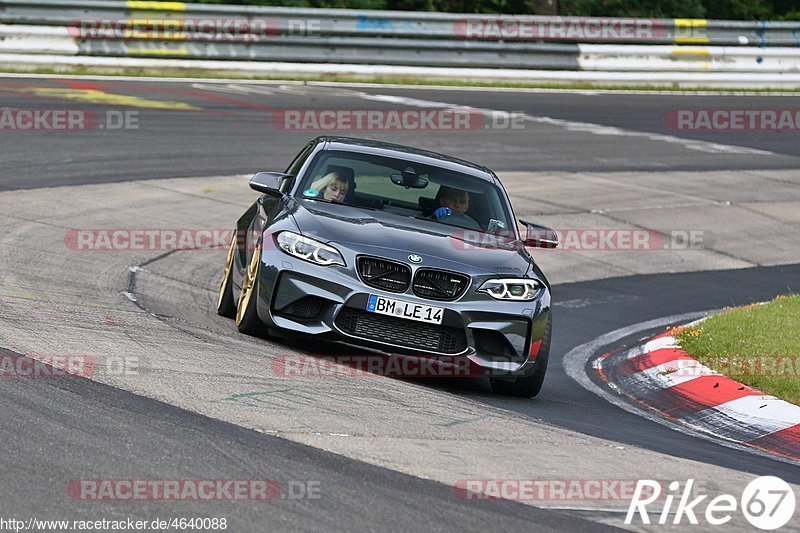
(767, 503)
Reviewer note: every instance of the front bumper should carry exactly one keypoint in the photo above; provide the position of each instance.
(498, 338)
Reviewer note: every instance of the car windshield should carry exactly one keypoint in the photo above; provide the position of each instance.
(407, 188)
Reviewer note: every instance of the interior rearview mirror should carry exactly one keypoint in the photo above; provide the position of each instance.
(539, 236)
(410, 179)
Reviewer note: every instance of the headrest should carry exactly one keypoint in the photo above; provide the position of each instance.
(346, 173)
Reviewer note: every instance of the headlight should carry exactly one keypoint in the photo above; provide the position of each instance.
(309, 249)
(511, 289)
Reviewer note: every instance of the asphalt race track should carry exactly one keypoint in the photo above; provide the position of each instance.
(199, 129)
(205, 402)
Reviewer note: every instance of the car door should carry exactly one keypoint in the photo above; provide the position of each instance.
(261, 214)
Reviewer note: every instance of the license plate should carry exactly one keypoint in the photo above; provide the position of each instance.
(398, 308)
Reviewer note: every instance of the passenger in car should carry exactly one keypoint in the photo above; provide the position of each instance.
(331, 187)
(451, 201)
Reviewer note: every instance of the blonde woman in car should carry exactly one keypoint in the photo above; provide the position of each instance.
(331, 187)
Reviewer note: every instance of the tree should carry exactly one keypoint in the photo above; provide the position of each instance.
(633, 8)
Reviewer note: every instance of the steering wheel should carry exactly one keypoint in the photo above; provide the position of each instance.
(462, 220)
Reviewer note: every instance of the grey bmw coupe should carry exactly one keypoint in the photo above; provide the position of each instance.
(397, 250)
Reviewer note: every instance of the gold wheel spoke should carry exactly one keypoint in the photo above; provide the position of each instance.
(248, 284)
(227, 273)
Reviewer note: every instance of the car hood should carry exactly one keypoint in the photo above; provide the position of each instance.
(384, 234)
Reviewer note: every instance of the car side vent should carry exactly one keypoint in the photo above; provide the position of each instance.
(306, 307)
(439, 284)
(384, 274)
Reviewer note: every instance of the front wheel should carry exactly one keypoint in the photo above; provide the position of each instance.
(528, 386)
(246, 311)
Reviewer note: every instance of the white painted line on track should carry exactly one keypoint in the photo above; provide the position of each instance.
(234, 88)
(656, 91)
(571, 125)
(675, 372)
(768, 413)
(660, 344)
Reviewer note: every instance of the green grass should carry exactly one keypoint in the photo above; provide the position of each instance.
(348, 78)
(758, 345)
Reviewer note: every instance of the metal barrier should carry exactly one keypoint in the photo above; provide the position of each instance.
(376, 23)
(273, 34)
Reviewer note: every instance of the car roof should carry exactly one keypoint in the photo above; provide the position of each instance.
(409, 153)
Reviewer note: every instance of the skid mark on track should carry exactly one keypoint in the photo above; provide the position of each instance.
(461, 421)
(289, 398)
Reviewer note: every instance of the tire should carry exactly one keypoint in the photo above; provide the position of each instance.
(528, 386)
(246, 310)
(226, 304)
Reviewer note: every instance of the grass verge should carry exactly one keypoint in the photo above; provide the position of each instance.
(758, 345)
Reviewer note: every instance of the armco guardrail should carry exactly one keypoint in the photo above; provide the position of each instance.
(409, 52)
(376, 23)
(214, 32)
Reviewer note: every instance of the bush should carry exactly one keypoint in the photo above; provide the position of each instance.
(711, 9)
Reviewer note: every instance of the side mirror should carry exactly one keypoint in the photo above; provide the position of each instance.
(270, 182)
(539, 236)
